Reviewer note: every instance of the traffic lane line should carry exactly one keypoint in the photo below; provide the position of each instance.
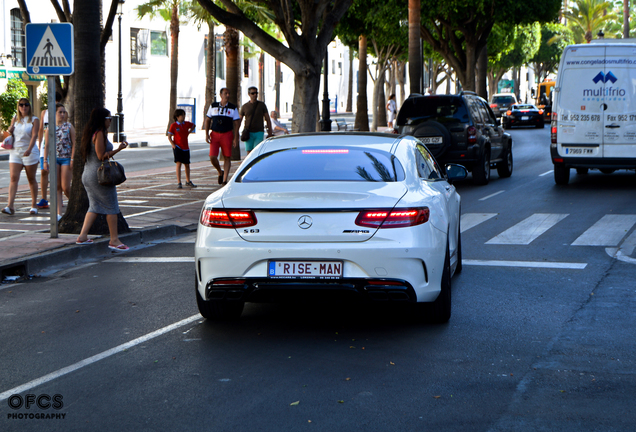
(97, 357)
(491, 195)
(526, 264)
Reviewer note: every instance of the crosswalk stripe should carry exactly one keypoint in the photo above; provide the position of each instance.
(608, 231)
(470, 220)
(528, 229)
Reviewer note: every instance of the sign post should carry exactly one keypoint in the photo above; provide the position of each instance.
(50, 51)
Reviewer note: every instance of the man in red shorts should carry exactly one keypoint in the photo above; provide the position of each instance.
(224, 120)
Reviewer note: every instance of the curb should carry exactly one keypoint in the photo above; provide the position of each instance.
(73, 254)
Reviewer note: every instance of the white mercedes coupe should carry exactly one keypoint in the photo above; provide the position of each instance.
(332, 215)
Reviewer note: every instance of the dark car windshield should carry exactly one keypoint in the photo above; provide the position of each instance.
(524, 107)
(441, 109)
(323, 164)
(503, 100)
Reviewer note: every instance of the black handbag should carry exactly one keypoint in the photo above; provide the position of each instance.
(245, 135)
(111, 174)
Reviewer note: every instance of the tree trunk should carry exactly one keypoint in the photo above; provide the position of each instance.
(362, 115)
(232, 76)
(400, 79)
(174, 60)
(625, 19)
(305, 107)
(350, 84)
(88, 95)
(380, 103)
(482, 68)
(415, 53)
(210, 72)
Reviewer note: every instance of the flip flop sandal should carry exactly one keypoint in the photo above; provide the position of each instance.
(89, 241)
(122, 247)
(33, 211)
(8, 210)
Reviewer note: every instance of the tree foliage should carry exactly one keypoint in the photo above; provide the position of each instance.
(587, 17)
(459, 29)
(15, 90)
(554, 38)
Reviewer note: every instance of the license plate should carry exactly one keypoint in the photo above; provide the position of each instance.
(578, 151)
(431, 140)
(524, 118)
(305, 269)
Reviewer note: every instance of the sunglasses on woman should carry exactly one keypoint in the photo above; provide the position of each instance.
(25, 104)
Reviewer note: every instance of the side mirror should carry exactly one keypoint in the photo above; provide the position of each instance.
(455, 172)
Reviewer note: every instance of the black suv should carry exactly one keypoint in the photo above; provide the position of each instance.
(458, 129)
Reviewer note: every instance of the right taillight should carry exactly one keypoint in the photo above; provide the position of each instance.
(553, 128)
(218, 218)
(395, 218)
(472, 134)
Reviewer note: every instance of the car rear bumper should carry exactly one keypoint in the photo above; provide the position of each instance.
(415, 270)
(592, 162)
(467, 157)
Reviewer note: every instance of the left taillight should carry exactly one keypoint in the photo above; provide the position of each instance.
(227, 218)
(395, 218)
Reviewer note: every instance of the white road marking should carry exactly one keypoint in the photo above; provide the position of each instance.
(528, 229)
(546, 173)
(470, 220)
(608, 231)
(151, 260)
(128, 201)
(491, 195)
(165, 208)
(97, 357)
(528, 264)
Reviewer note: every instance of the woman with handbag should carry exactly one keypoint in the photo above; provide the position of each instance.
(24, 128)
(64, 153)
(95, 149)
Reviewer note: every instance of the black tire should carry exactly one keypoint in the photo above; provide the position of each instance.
(439, 311)
(581, 171)
(541, 125)
(561, 174)
(607, 170)
(434, 129)
(504, 168)
(219, 310)
(481, 171)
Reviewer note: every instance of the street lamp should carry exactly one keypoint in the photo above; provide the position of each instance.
(120, 136)
(325, 123)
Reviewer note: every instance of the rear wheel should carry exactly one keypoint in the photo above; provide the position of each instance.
(504, 168)
(439, 311)
(561, 174)
(541, 125)
(219, 310)
(607, 171)
(481, 171)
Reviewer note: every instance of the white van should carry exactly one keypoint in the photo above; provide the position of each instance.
(594, 115)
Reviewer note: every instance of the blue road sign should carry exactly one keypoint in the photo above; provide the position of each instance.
(50, 49)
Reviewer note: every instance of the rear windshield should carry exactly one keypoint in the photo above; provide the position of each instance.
(503, 99)
(441, 109)
(524, 107)
(323, 164)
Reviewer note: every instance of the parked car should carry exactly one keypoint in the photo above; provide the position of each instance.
(523, 115)
(459, 129)
(593, 118)
(367, 215)
(501, 102)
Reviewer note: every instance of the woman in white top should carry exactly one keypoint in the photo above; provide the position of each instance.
(25, 153)
(391, 108)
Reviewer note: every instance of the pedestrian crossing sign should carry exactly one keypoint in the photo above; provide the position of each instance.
(50, 49)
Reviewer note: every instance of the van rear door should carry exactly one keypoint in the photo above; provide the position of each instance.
(580, 105)
(619, 137)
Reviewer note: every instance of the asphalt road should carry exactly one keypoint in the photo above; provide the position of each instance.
(540, 338)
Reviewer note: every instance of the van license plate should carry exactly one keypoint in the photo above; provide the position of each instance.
(431, 140)
(578, 151)
(305, 269)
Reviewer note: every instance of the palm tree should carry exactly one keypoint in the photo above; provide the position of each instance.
(415, 53)
(169, 10)
(587, 17)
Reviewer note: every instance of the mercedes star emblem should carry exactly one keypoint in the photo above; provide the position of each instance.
(305, 222)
